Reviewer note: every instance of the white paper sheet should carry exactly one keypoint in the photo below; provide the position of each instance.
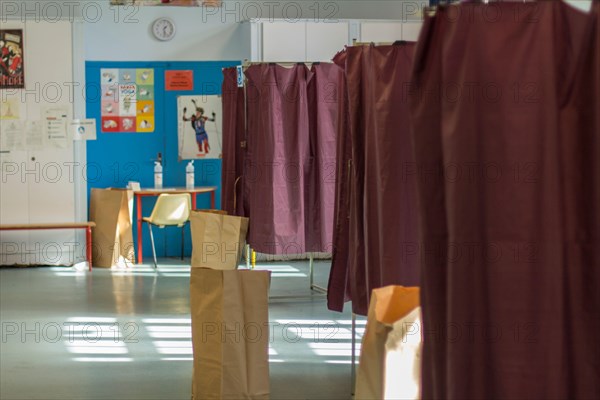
(34, 135)
(11, 135)
(83, 129)
(10, 108)
(55, 120)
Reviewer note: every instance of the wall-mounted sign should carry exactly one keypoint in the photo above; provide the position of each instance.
(179, 80)
(83, 129)
(240, 76)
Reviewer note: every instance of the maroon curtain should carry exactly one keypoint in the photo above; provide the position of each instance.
(289, 167)
(278, 157)
(234, 136)
(325, 95)
(382, 223)
(508, 184)
(580, 144)
(338, 287)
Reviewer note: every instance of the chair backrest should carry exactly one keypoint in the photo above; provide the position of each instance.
(171, 209)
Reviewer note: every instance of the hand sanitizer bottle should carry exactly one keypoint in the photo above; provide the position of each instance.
(158, 176)
(189, 175)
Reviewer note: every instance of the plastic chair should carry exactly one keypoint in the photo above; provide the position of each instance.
(170, 210)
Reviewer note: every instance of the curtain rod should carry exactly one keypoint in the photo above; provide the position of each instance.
(282, 63)
(356, 43)
(308, 64)
(372, 43)
(431, 10)
(247, 64)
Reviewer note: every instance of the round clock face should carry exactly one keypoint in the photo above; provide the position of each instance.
(163, 29)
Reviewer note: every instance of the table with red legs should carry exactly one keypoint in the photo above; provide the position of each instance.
(138, 194)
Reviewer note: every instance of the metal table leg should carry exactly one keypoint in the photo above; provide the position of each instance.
(353, 373)
(314, 287)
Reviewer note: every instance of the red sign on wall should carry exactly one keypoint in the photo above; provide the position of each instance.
(179, 80)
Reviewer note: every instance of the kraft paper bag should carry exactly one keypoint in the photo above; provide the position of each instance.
(212, 211)
(112, 238)
(389, 305)
(217, 240)
(230, 334)
(403, 358)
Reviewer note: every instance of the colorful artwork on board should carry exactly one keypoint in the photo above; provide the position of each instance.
(200, 122)
(127, 100)
(12, 69)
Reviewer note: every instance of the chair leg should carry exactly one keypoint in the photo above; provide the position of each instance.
(153, 248)
(182, 241)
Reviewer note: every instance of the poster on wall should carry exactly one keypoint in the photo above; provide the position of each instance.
(127, 100)
(180, 3)
(12, 74)
(199, 132)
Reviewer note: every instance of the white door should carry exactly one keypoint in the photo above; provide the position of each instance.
(284, 41)
(52, 199)
(51, 196)
(14, 207)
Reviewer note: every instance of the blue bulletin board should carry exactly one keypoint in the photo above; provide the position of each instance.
(116, 158)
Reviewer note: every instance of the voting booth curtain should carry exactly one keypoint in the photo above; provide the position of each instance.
(278, 157)
(325, 94)
(287, 156)
(234, 136)
(375, 244)
(505, 114)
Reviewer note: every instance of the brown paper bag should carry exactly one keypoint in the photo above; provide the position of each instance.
(213, 211)
(217, 240)
(388, 305)
(112, 238)
(403, 358)
(230, 334)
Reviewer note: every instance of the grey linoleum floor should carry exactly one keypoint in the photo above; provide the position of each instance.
(125, 334)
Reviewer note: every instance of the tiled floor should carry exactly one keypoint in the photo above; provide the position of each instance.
(125, 334)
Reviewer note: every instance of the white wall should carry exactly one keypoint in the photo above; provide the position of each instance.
(127, 36)
(38, 186)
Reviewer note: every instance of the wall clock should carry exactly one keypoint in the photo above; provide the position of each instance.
(163, 29)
